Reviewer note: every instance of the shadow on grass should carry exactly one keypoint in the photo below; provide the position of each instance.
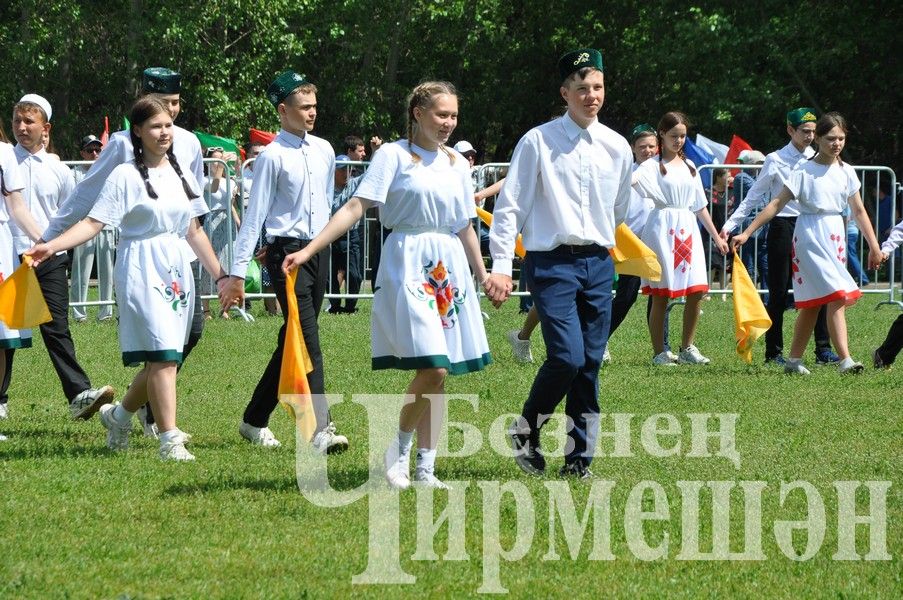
(11, 451)
(339, 480)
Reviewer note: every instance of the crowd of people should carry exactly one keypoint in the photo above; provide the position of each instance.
(570, 182)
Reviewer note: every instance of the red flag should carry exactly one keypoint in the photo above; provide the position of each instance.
(105, 136)
(738, 145)
(257, 136)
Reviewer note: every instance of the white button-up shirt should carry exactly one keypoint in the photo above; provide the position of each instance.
(47, 182)
(12, 181)
(119, 150)
(565, 185)
(291, 196)
(769, 183)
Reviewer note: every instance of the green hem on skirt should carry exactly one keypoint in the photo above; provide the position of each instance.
(16, 343)
(432, 362)
(135, 358)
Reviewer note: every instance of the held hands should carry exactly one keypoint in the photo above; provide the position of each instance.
(498, 288)
(722, 246)
(876, 258)
(231, 292)
(39, 253)
(724, 234)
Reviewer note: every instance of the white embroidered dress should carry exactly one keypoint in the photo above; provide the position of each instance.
(153, 278)
(819, 262)
(426, 312)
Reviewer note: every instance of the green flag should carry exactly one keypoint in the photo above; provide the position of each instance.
(208, 140)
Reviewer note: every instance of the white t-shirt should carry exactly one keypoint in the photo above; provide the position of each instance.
(677, 189)
(822, 189)
(431, 193)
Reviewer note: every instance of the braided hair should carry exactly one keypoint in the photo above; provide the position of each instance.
(668, 121)
(825, 124)
(423, 96)
(144, 109)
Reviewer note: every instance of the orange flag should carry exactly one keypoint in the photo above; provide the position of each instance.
(633, 257)
(22, 304)
(486, 217)
(294, 391)
(751, 319)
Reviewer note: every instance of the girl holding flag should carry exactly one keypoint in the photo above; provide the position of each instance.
(155, 206)
(673, 184)
(823, 186)
(13, 207)
(426, 314)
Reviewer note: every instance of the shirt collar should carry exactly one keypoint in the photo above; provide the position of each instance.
(22, 153)
(573, 131)
(295, 141)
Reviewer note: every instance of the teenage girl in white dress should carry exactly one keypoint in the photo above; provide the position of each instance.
(823, 186)
(426, 314)
(671, 231)
(155, 207)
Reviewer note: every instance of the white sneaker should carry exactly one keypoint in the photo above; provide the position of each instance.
(671, 355)
(4, 411)
(663, 359)
(521, 348)
(117, 435)
(259, 436)
(794, 366)
(89, 402)
(426, 478)
(328, 442)
(3, 438)
(692, 356)
(848, 366)
(606, 356)
(398, 467)
(150, 429)
(175, 448)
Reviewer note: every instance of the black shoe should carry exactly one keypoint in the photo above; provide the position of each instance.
(527, 454)
(577, 469)
(878, 362)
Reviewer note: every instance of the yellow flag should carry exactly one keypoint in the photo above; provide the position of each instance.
(486, 217)
(750, 317)
(22, 304)
(633, 257)
(294, 390)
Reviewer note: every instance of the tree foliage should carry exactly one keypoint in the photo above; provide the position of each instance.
(733, 67)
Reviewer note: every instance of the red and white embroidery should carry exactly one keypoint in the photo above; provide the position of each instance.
(683, 251)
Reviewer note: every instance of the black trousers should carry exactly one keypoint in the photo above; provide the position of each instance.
(628, 289)
(54, 281)
(310, 288)
(780, 247)
(893, 342)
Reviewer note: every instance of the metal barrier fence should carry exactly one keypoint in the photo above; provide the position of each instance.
(879, 186)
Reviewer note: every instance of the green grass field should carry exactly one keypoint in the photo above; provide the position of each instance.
(78, 521)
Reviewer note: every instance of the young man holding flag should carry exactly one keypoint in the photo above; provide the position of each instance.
(46, 183)
(291, 200)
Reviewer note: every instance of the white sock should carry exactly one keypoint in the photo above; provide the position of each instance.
(426, 459)
(170, 436)
(795, 361)
(846, 363)
(404, 441)
(122, 416)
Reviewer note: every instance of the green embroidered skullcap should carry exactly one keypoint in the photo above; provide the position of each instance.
(159, 80)
(641, 130)
(798, 116)
(579, 59)
(284, 84)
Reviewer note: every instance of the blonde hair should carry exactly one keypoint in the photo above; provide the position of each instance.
(423, 96)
